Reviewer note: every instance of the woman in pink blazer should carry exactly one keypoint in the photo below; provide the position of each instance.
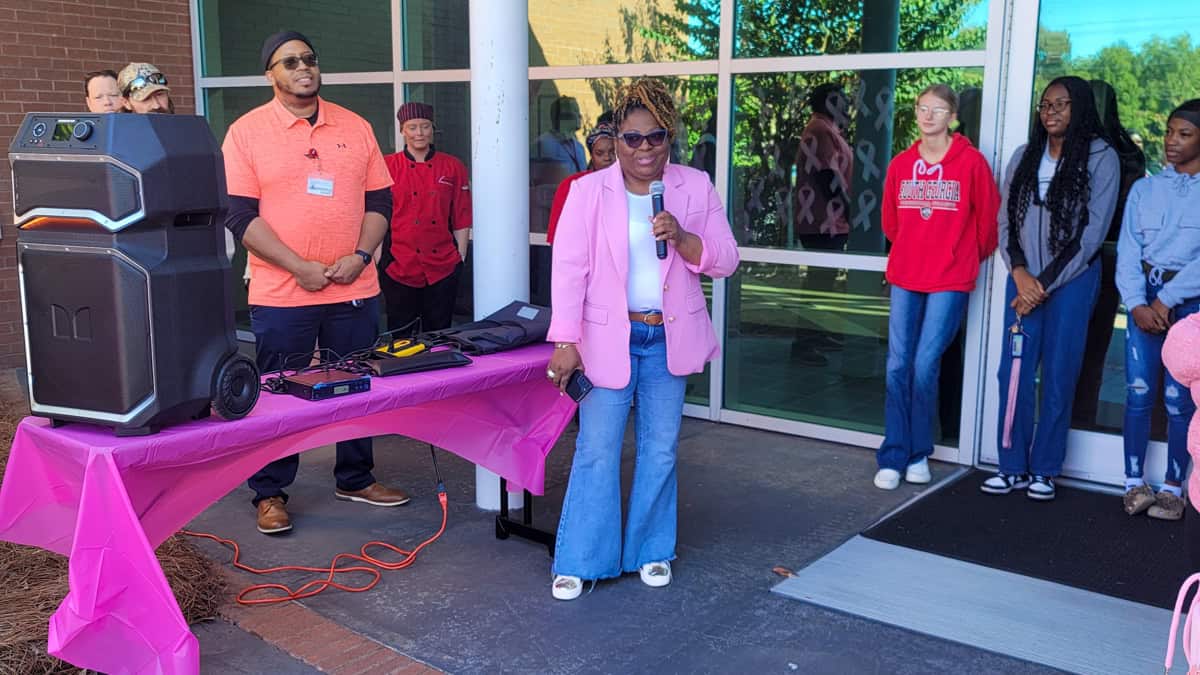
(639, 326)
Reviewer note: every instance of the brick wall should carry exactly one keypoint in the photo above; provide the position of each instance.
(45, 48)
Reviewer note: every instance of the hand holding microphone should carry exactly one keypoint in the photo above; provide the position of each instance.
(665, 227)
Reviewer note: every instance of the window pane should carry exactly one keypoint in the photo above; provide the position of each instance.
(436, 34)
(349, 35)
(779, 180)
(805, 27)
(588, 33)
(561, 112)
(1143, 64)
(810, 344)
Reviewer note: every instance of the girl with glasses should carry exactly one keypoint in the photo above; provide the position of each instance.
(638, 323)
(939, 212)
(1059, 197)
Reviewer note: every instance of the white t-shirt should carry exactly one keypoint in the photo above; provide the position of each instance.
(643, 288)
(1046, 173)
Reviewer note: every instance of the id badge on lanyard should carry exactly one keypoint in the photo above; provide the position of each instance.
(319, 183)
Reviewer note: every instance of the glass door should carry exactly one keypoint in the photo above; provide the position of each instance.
(1142, 62)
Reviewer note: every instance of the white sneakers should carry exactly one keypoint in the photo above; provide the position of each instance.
(887, 479)
(653, 574)
(656, 574)
(917, 472)
(566, 587)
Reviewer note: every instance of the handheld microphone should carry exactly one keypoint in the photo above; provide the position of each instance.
(656, 203)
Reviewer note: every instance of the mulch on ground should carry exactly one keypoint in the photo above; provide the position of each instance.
(33, 582)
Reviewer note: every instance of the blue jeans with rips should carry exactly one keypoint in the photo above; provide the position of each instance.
(920, 327)
(590, 543)
(1144, 372)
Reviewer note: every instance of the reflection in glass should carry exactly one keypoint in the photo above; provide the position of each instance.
(561, 112)
(811, 149)
(813, 355)
(436, 34)
(767, 28)
(591, 32)
(1143, 66)
(349, 35)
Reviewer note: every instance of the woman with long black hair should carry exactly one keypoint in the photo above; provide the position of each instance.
(1059, 199)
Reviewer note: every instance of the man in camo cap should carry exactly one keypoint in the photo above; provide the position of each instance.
(144, 89)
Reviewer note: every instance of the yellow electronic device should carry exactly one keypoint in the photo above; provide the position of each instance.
(403, 347)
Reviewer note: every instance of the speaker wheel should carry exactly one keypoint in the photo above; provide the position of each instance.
(235, 389)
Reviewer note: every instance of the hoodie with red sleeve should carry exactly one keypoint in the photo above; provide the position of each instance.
(940, 218)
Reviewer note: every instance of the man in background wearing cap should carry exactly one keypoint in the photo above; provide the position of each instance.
(426, 245)
(144, 89)
(309, 197)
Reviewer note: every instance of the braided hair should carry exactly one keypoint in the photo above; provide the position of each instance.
(651, 95)
(1070, 189)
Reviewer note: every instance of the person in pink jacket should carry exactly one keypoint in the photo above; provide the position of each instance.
(639, 326)
(1181, 356)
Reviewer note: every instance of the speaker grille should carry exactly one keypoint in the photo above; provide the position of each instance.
(98, 186)
(88, 330)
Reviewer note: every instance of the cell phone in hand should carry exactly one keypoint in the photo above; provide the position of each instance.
(578, 386)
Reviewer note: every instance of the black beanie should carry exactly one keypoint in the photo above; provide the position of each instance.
(277, 40)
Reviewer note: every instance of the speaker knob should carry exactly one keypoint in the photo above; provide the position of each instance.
(82, 130)
(39, 129)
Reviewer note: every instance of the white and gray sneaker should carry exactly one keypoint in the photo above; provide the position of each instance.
(1003, 483)
(1041, 489)
(887, 479)
(918, 472)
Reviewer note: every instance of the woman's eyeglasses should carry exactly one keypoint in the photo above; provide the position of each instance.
(293, 62)
(142, 81)
(938, 113)
(634, 140)
(1057, 106)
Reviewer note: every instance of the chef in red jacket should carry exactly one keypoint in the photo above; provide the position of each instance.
(426, 246)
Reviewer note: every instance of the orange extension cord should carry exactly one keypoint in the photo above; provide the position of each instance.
(372, 564)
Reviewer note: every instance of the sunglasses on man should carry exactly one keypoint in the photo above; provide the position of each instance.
(293, 62)
(634, 140)
(142, 81)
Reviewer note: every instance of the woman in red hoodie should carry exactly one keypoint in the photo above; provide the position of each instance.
(940, 203)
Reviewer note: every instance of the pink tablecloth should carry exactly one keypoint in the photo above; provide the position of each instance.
(107, 502)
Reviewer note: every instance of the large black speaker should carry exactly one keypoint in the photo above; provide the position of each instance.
(125, 284)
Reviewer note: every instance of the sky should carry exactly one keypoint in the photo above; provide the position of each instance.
(1096, 24)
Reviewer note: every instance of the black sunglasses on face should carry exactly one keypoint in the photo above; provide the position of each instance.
(293, 62)
(634, 140)
(142, 81)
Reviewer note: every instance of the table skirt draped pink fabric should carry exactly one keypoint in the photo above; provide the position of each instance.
(107, 502)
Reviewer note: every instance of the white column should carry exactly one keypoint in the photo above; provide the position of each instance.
(499, 172)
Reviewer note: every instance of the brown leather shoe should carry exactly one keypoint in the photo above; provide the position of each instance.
(375, 494)
(273, 516)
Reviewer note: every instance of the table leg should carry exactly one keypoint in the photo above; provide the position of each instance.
(506, 526)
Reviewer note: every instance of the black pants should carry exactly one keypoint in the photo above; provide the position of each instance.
(286, 337)
(433, 304)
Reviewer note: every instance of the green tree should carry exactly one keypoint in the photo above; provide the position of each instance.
(770, 109)
(1150, 80)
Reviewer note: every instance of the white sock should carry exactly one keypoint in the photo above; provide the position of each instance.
(1176, 490)
(1131, 483)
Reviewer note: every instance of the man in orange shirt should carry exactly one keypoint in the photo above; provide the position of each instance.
(309, 197)
(426, 245)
